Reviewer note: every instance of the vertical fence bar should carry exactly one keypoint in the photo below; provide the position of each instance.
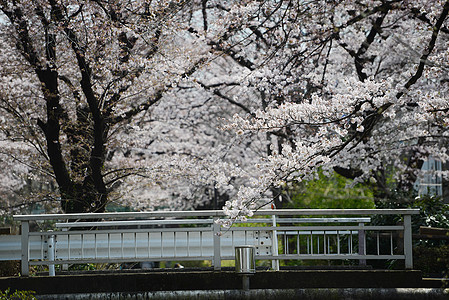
(350, 242)
(121, 244)
(174, 243)
(285, 243)
(135, 244)
(338, 242)
(408, 242)
(43, 241)
(274, 246)
(201, 243)
(162, 245)
(378, 243)
(298, 251)
(188, 243)
(391, 243)
(148, 236)
(68, 248)
(82, 245)
(324, 242)
(216, 228)
(51, 255)
(310, 242)
(109, 245)
(25, 230)
(65, 267)
(362, 250)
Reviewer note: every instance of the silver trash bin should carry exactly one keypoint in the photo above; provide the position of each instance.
(245, 260)
(245, 263)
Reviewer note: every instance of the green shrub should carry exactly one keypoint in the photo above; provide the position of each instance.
(17, 295)
(9, 268)
(330, 192)
(432, 261)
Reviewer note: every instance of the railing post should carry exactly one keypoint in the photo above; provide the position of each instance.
(408, 242)
(217, 246)
(362, 244)
(51, 255)
(275, 247)
(25, 241)
(65, 267)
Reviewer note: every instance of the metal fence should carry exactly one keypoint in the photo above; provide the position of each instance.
(284, 234)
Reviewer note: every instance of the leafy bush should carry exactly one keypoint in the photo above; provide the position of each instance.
(17, 295)
(430, 255)
(9, 268)
(434, 212)
(331, 192)
(432, 261)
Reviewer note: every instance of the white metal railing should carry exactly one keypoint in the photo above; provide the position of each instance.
(283, 234)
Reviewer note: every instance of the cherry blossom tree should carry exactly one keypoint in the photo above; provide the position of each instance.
(121, 101)
(73, 73)
(351, 86)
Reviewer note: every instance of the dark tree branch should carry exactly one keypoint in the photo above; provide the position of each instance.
(94, 177)
(204, 12)
(24, 43)
(376, 29)
(154, 44)
(218, 93)
(422, 62)
(371, 120)
(126, 45)
(423, 17)
(136, 110)
(153, 99)
(233, 54)
(49, 86)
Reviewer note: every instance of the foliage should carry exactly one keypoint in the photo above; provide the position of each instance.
(17, 295)
(429, 255)
(84, 267)
(433, 212)
(6, 220)
(331, 192)
(432, 260)
(9, 268)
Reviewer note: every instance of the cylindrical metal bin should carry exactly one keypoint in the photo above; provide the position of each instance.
(245, 260)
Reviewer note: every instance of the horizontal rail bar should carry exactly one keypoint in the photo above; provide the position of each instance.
(181, 229)
(323, 212)
(327, 256)
(193, 258)
(312, 228)
(207, 221)
(215, 213)
(122, 215)
(317, 232)
(120, 260)
(134, 223)
(321, 220)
